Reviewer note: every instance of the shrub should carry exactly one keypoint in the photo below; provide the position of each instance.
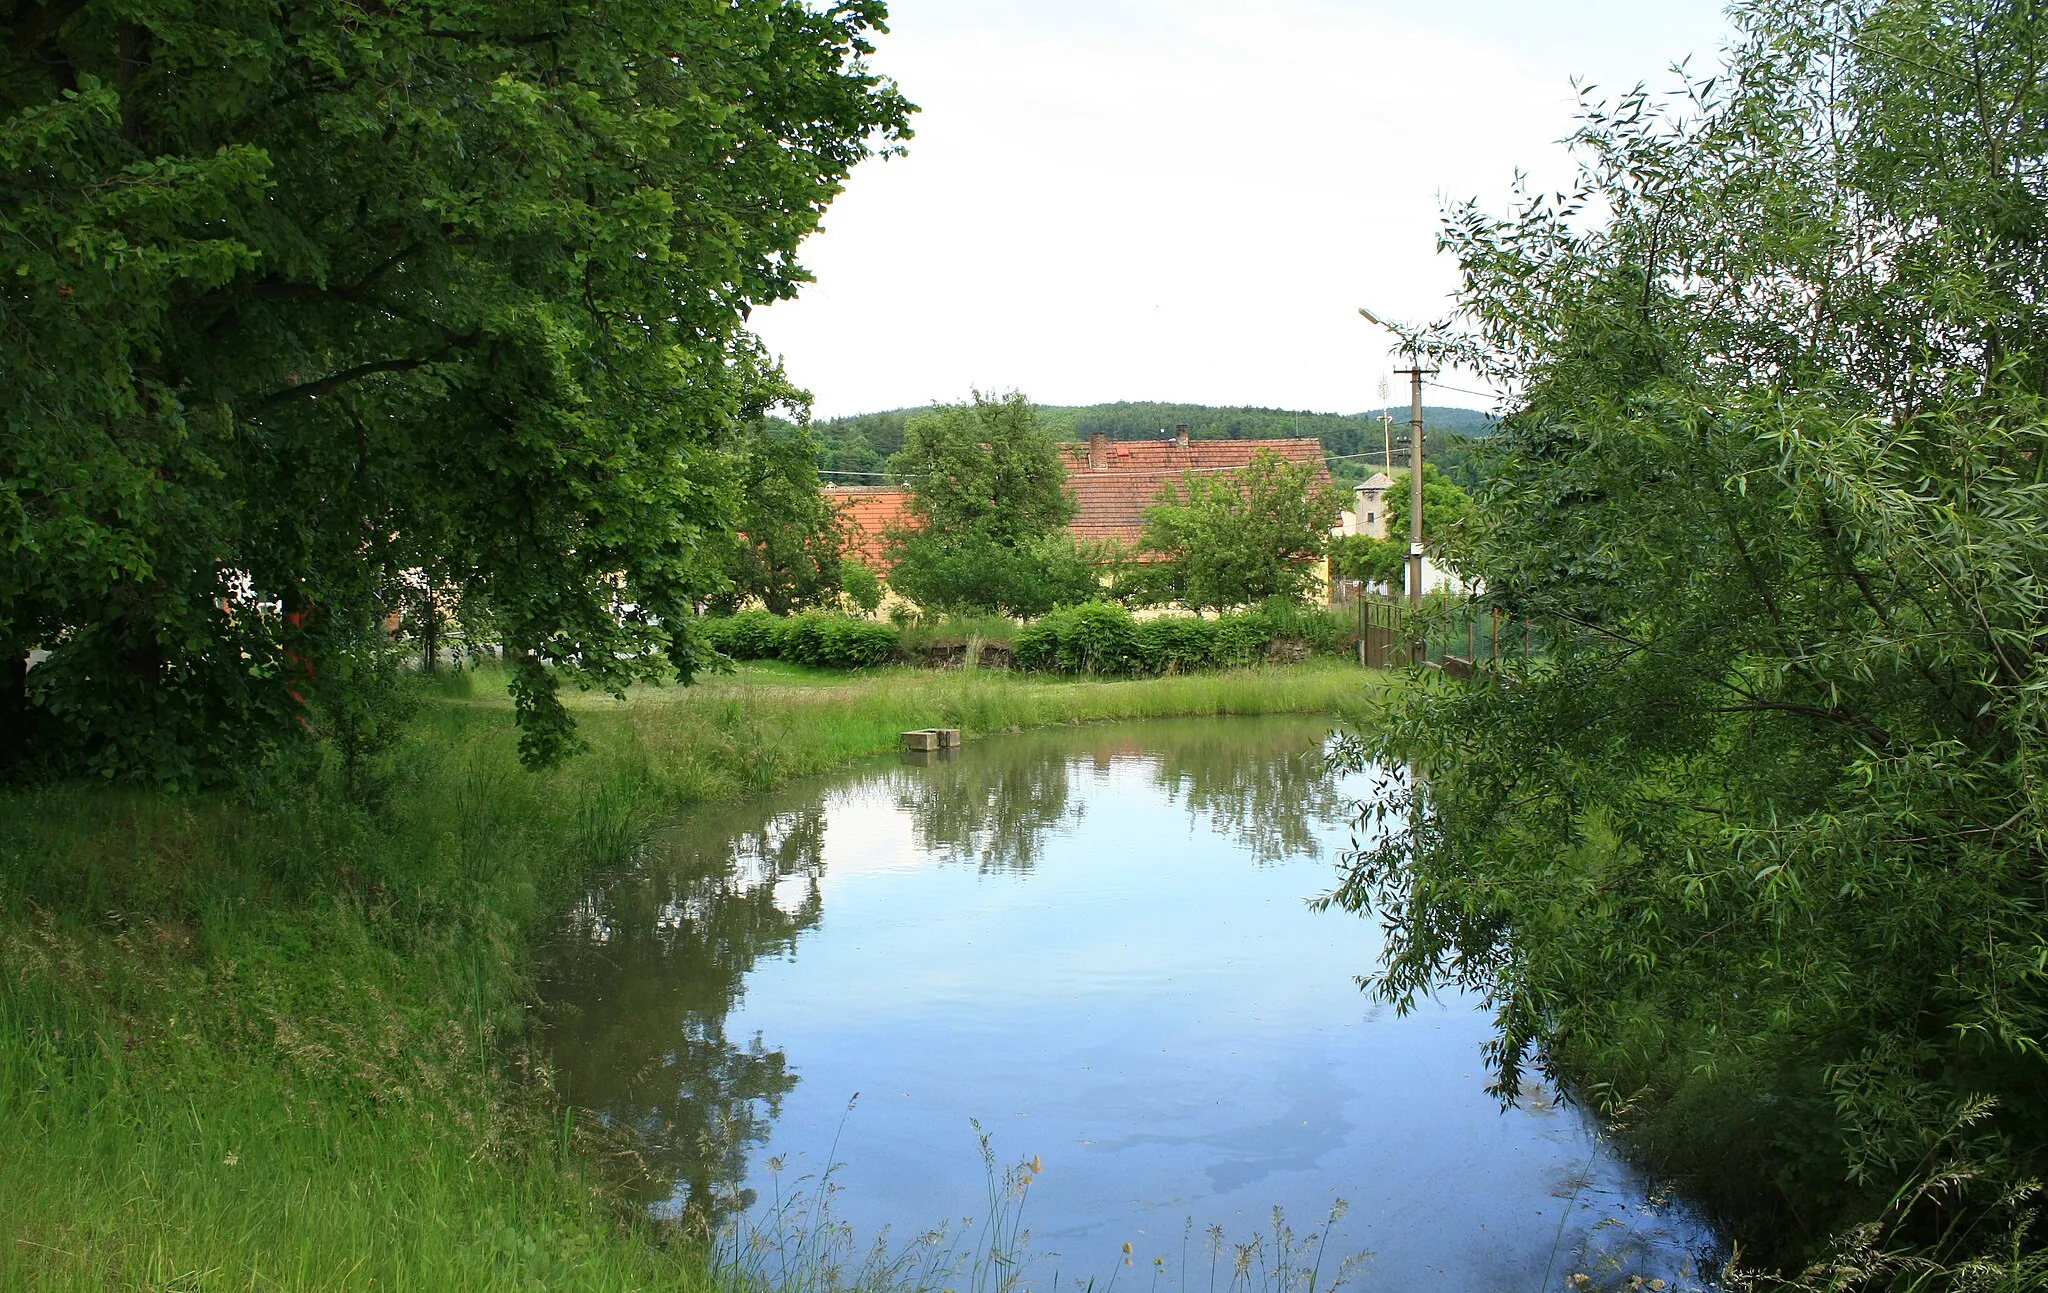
(1324, 631)
(1175, 643)
(817, 638)
(1095, 637)
(750, 635)
(837, 641)
(975, 573)
(1241, 637)
(862, 586)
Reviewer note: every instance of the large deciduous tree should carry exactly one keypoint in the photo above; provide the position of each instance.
(294, 298)
(1754, 853)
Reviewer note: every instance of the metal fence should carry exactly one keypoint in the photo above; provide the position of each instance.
(1452, 632)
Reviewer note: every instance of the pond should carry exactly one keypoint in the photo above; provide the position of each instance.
(1096, 945)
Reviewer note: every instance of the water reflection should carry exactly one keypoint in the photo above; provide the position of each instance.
(651, 963)
(1097, 943)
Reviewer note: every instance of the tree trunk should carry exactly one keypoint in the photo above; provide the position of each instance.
(430, 632)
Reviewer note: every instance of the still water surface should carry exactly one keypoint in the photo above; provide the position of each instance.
(1096, 942)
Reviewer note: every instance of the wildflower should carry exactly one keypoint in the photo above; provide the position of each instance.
(232, 1159)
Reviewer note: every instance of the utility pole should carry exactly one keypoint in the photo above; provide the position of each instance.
(1415, 376)
(1387, 433)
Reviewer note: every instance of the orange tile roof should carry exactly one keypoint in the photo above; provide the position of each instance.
(867, 512)
(1112, 498)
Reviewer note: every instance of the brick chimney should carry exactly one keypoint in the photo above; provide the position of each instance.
(1180, 436)
(1098, 450)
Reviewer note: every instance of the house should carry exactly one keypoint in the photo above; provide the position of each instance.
(1112, 483)
(868, 513)
(1368, 514)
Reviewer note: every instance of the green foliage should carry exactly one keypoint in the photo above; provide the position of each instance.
(1447, 512)
(1096, 637)
(862, 586)
(974, 573)
(988, 497)
(1174, 643)
(815, 638)
(363, 703)
(1230, 539)
(1101, 638)
(984, 468)
(1373, 561)
(1241, 636)
(784, 551)
(838, 642)
(1752, 851)
(749, 635)
(297, 300)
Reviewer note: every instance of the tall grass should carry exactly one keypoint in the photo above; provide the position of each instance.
(275, 1039)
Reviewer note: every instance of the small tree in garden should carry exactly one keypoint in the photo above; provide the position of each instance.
(988, 492)
(1232, 539)
(784, 550)
(862, 586)
(984, 467)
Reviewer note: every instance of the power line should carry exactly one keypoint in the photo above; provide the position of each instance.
(1484, 395)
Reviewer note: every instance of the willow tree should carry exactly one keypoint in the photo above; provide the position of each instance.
(1755, 854)
(300, 297)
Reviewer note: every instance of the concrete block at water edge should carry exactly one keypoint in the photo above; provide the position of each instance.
(949, 737)
(923, 740)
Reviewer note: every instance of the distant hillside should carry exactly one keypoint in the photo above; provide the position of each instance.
(863, 443)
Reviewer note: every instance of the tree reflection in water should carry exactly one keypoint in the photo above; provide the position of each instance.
(1253, 783)
(652, 962)
(650, 966)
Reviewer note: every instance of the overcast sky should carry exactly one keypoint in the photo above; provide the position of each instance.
(1188, 200)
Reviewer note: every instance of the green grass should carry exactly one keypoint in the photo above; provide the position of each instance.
(276, 1040)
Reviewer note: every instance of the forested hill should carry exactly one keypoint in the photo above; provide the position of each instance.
(862, 443)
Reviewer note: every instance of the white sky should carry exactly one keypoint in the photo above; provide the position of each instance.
(1188, 200)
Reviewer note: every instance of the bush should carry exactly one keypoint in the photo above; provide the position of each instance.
(1241, 637)
(975, 573)
(750, 635)
(837, 642)
(1175, 643)
(862, 586)
(1095, 637)
(817, 638)
(1323, 630)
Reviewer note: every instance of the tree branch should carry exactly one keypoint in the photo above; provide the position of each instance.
(342, 378)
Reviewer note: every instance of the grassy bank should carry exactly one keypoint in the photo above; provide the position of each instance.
(275, 1039)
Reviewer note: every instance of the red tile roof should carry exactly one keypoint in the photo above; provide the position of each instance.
(1112, 498)
(867, 512)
